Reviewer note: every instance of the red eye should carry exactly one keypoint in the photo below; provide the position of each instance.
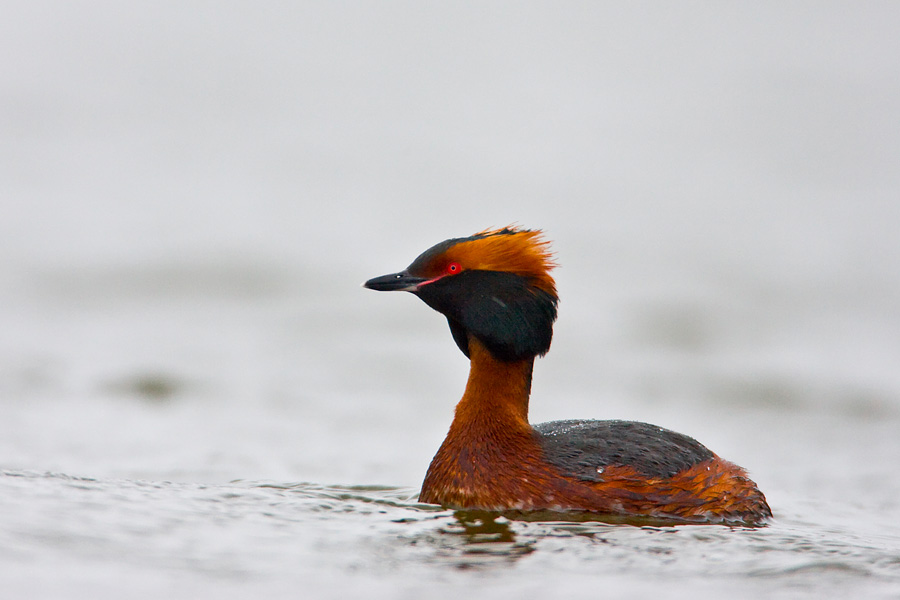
(453, 268)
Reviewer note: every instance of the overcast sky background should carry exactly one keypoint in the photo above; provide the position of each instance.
(720, 181)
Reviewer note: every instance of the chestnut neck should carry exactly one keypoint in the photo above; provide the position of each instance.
(491, 451)
(496, 396)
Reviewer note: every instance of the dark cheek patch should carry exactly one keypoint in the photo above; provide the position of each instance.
(459, 336)
(513, 319)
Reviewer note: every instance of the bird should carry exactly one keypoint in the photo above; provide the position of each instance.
(500, 300)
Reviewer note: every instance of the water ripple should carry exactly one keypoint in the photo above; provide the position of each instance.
(269, 532)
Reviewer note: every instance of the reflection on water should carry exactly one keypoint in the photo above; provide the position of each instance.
(191, 195)
(479, 527)
(271, 534)
(477, 539)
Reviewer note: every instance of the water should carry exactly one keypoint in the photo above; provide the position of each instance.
(132, 538)
(191, 195)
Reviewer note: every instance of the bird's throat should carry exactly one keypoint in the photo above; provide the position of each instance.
(496, 396)
(490, 446)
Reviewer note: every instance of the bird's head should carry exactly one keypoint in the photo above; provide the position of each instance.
(494, 285)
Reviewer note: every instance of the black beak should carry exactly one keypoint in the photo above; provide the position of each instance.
(395, 282)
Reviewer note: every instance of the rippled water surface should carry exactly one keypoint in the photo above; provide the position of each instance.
(192, 193)
(127, 538)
